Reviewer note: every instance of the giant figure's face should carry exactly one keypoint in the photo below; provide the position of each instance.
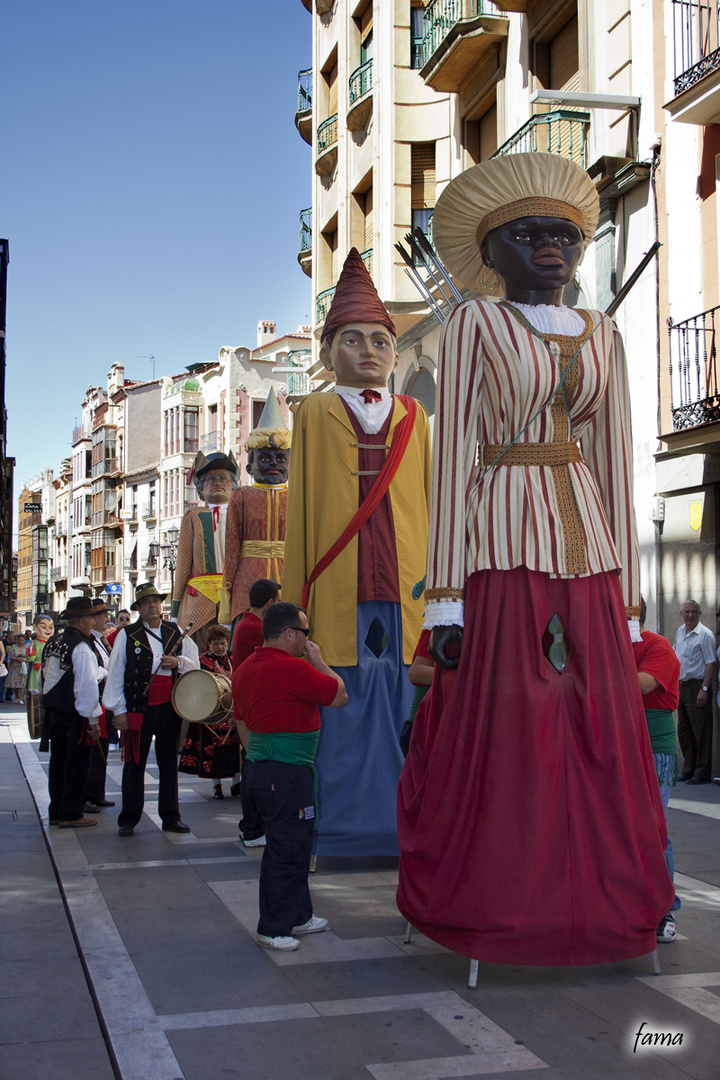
(363, 355)
(44, 629)
(534, 254)
(268, 465)
(217, 486)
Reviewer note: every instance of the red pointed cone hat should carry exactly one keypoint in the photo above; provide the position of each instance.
(356, 298)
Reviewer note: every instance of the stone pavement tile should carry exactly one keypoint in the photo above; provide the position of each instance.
(19, 975)
(170, 887)
(37, 945)
(362, 978)
(49, 1014)
(240, 869)
(337, 1048)
(356, 912)
(201, 973)
(75, 1059)
(33, 906)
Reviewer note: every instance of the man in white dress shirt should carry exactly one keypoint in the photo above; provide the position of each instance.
(695, 649)
(146, 659)
(72, 708)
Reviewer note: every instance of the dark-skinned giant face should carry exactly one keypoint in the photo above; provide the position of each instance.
(268, 465)
(534, 254)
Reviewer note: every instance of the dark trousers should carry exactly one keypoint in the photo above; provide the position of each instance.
(695, 731)
(285, 798)
(95, 785)
(69, 763)
(164, 723)
(250, 825)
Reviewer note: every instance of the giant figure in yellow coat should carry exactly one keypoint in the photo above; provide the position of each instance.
(360, 466)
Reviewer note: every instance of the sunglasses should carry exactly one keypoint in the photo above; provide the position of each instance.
(303, 629)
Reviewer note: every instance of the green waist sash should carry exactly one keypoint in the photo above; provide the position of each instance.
(294, 748)
(662, 730)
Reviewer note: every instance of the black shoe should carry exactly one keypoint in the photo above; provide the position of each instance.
(218, 792)
(126, 830)
(235, 791)
(91, 807)
(106, 802)
(694, 780)
(177, 826)
(684, 777)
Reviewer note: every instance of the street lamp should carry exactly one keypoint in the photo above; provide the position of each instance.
(169, 553)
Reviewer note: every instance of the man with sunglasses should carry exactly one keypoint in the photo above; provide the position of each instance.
(276, 693)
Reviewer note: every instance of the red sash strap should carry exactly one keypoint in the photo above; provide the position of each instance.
(401, 438)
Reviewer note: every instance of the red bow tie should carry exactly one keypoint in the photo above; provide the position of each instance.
(215, 517)
(369, 396)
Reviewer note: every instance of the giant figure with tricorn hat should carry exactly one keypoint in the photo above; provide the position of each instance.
(255, 537)
(355, 547)
(529, 816)
(201, 545)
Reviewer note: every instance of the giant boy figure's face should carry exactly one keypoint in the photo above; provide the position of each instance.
(363, 355)
(268, 465)
(44, 629)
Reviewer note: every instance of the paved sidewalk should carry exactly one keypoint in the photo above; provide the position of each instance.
(173, 979)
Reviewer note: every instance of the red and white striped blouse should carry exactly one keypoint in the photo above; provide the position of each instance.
(544, 506)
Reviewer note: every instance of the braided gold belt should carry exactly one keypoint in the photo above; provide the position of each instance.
(530, 454)
(263, 549)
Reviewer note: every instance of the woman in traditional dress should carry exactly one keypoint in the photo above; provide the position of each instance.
(17, 670)
(529, 819)
(214, 751)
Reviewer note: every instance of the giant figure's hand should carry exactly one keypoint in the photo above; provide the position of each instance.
(446, 645)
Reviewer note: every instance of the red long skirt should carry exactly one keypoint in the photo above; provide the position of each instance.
(530, 823)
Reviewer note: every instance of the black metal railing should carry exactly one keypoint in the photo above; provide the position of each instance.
(360, 81)
(306, 229)
(693, 370)
(696, 41)
(304, 90)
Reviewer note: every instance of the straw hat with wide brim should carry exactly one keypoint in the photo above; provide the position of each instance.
(501, 190)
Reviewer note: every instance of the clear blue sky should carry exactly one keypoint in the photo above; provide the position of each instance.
(151, 181)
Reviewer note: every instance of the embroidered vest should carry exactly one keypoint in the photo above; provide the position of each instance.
(139, 662)
(62, 695)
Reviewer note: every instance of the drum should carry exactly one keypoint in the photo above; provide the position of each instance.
(201, 697)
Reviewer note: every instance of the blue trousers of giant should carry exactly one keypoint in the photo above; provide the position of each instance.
(358, 760)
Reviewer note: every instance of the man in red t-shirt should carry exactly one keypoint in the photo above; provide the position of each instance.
(247, 637)
(276, 694)
(658, 673)
(248, 634)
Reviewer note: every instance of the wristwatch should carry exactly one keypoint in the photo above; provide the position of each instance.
(704, 689)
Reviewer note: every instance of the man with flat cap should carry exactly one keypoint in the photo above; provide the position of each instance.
(147, 658)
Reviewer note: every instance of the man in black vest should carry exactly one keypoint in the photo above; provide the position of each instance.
(146, 659)
(72, 708)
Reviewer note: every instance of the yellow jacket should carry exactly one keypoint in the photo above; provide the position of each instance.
(323, 496)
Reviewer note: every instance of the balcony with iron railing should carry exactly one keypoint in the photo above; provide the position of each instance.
(210, 441)
(322, 304)
(149, 512)
(457, 35)
(59, 573)
(327, 151)
(303, 116)
(305, 253)
(561, 131)
(367, 258)
(695, 396)
(360, 96)
(696, 48)
(82, 431)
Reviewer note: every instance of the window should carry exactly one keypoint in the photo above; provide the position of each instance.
(417, 32)
(190, 445)
(422, 192)
(488, 136)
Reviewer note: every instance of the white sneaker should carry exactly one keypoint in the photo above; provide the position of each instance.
(667, 928)
(285, 944)
(260, 842)
(314, 925)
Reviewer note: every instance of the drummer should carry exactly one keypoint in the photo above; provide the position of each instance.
(147, 657)
(213, 752)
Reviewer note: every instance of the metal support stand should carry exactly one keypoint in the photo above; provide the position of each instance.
(656, 963)
(473, 973)
(313, 860)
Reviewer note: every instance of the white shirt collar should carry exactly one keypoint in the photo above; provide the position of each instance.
(357, 391)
